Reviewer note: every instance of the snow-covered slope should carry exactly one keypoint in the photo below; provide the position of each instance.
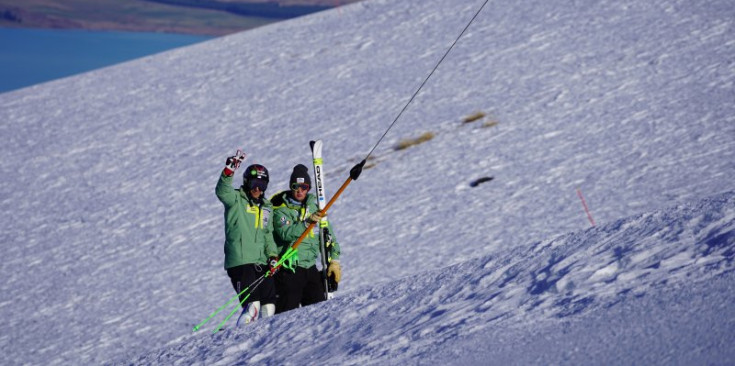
(111, 234)
(675, 265)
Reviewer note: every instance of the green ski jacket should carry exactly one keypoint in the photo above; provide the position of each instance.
(248, 226)
(289, 224)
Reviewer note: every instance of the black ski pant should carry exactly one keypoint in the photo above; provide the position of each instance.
(305, 287)
(244, 275)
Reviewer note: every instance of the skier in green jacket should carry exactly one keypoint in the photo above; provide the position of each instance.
(300, 283)
(249, 247)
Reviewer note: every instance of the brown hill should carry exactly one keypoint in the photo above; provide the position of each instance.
(205, 17)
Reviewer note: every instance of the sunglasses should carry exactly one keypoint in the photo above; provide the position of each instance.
(301, 186)
(257, 183)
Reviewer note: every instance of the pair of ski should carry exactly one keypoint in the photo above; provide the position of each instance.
(325, 238)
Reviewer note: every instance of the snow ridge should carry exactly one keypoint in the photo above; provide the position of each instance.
(546, 283)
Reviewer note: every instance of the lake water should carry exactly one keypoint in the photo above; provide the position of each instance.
(32, 56)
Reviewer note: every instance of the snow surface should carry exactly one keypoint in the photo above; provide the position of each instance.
(112, 236)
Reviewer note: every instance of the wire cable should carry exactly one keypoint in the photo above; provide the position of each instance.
(426, 80)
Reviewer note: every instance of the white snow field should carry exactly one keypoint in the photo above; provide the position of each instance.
(112, 236)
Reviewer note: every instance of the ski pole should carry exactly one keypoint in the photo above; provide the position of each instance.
(218, 310)
(225, 305)
(259, 281)
(286, 256)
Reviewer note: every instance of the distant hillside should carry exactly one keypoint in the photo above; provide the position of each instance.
(207, 17)
(251, 8)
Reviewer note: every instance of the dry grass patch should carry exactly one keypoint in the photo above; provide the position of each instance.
(406, 143)
(474, 117)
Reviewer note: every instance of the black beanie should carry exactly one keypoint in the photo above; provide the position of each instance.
(300, 175)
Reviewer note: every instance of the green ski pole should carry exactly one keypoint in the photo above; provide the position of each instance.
(253, 285)
(218, 310)
(227, 303)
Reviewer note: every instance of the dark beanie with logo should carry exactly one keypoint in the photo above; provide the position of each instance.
(300, 175)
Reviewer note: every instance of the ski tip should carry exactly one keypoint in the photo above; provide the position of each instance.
(316, 147)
